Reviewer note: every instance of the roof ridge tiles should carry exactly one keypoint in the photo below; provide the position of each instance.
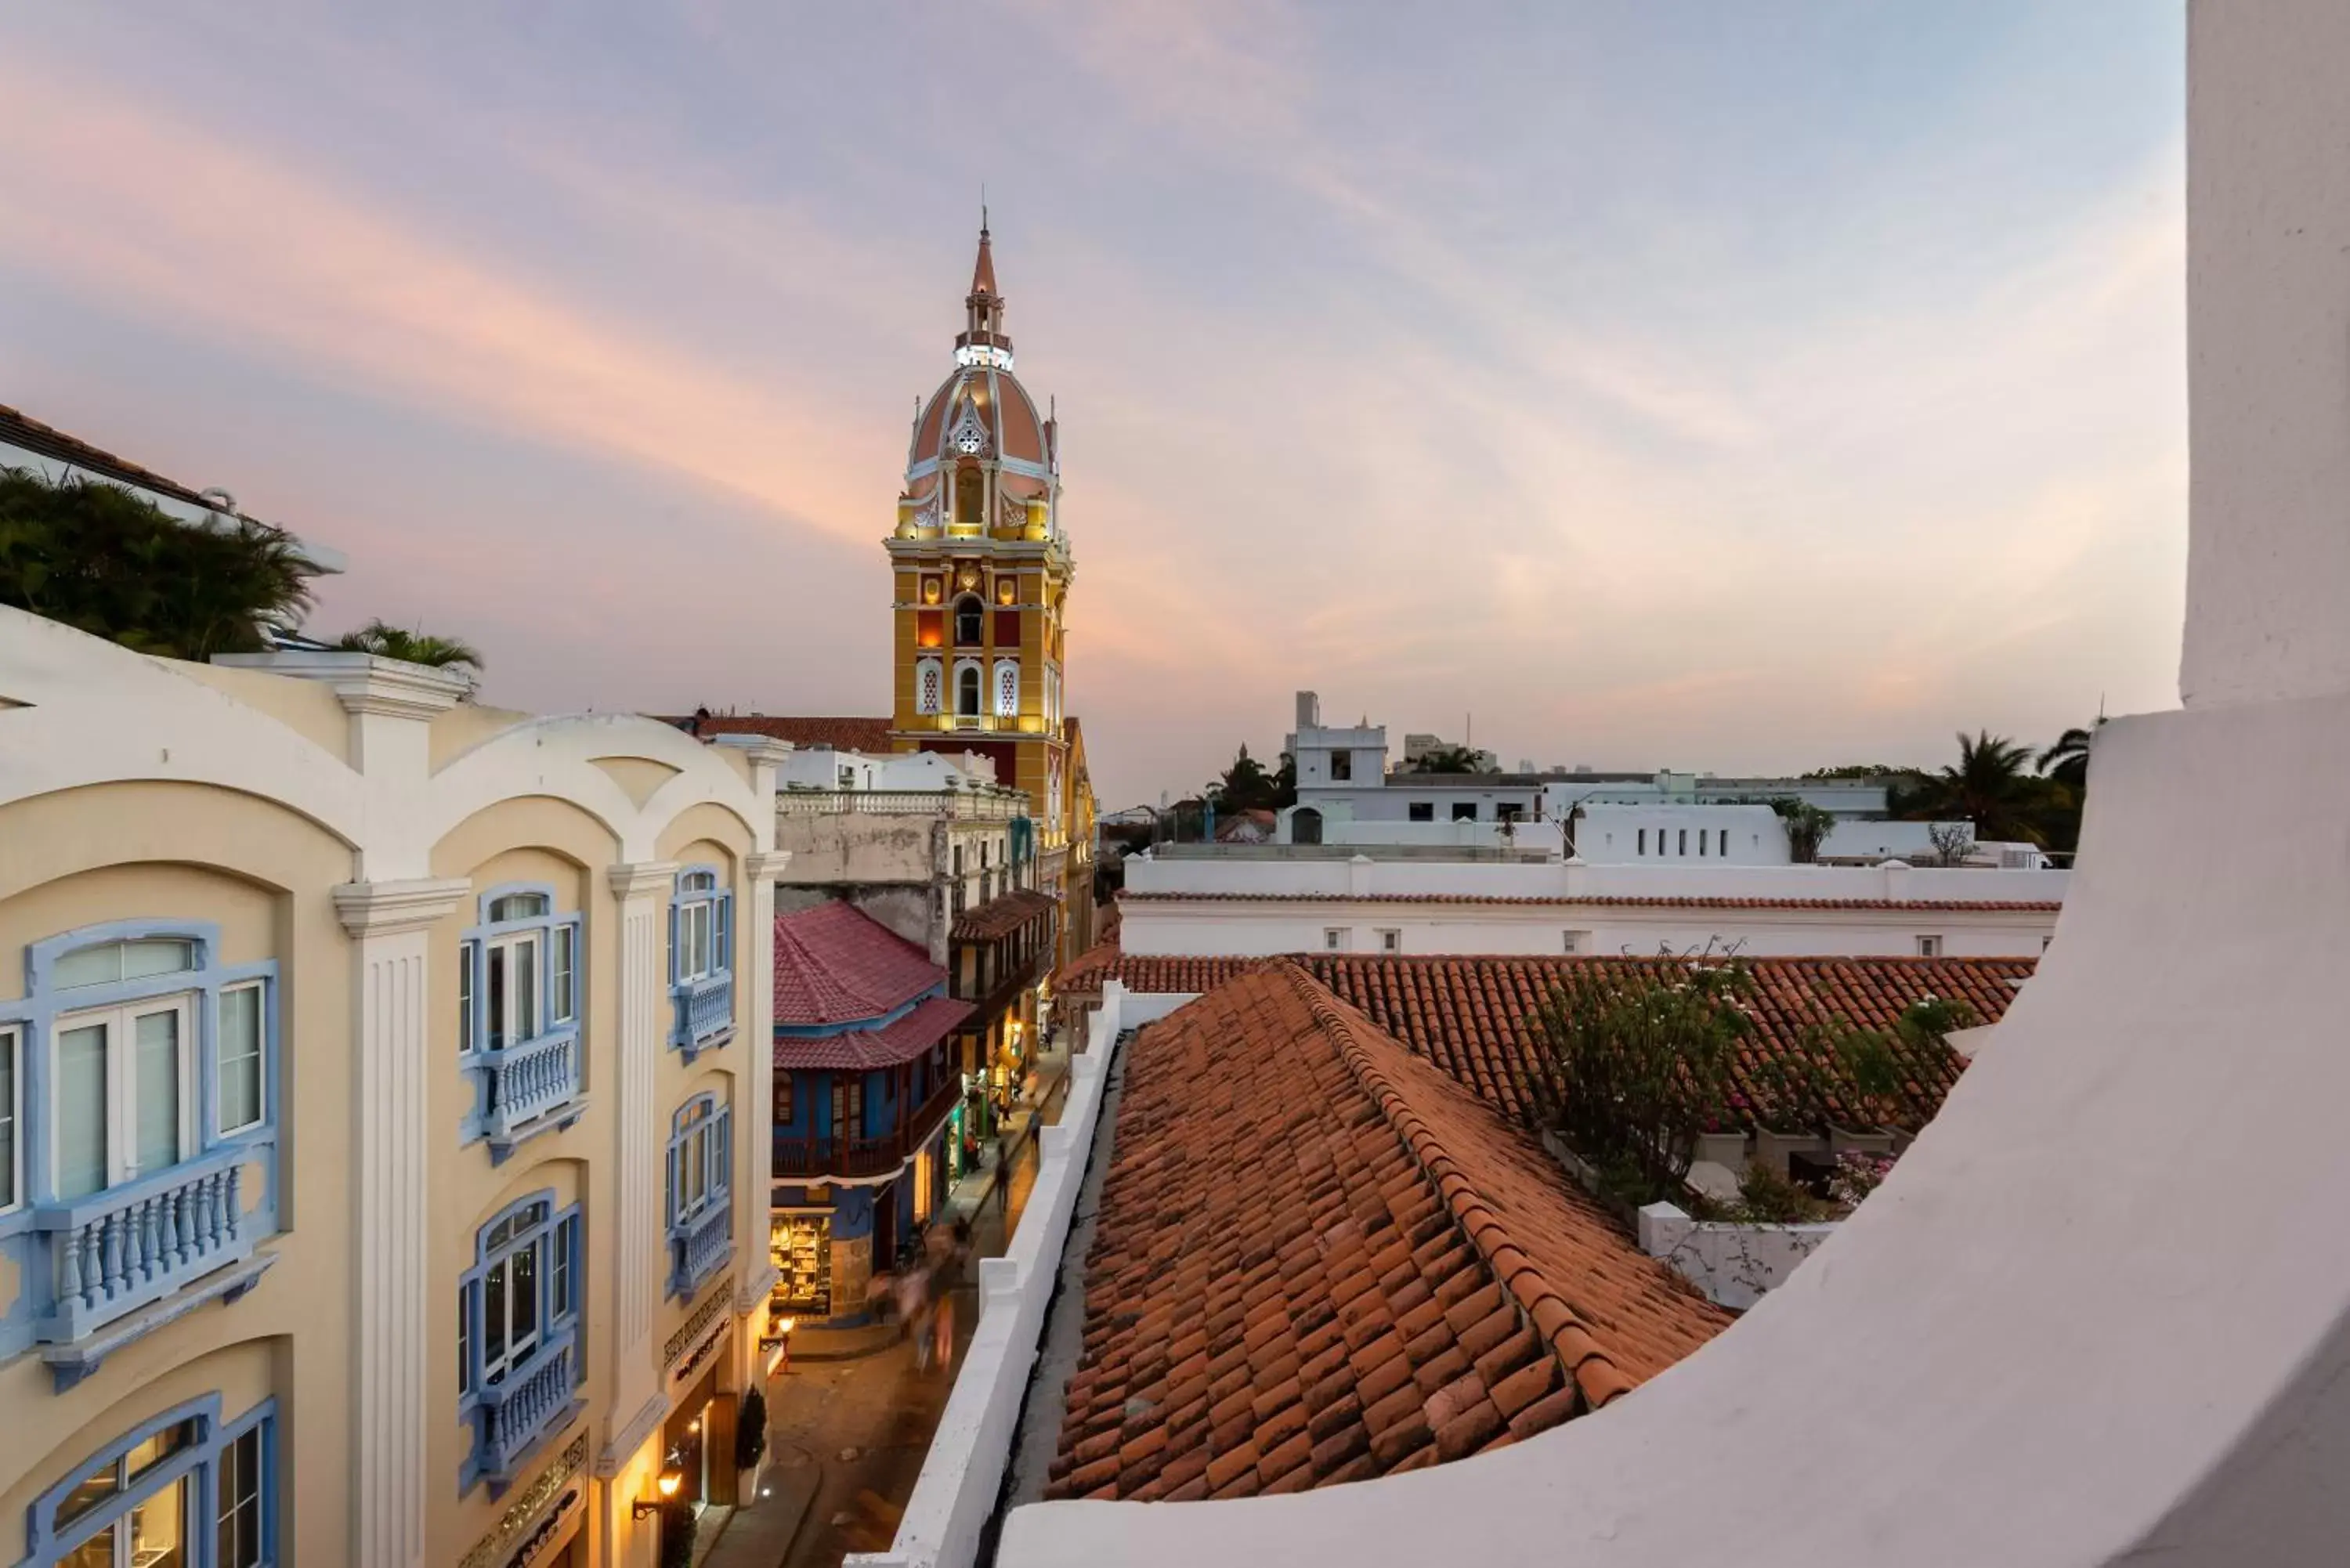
(1456, 1189)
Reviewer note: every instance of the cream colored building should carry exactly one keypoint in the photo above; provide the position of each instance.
(379, 1113)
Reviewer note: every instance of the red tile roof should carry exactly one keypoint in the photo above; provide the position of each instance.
(1470, 1014)
(1938, 906)
(835, 965)
(887, 1046)
(1471, 1017)
(1001, 915)
(850, 735)
(1317, 1260)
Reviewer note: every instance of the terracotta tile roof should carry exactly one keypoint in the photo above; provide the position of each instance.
(834, 965)
(1001, 915)
(899, 1040)
(870, 736)
(18, 429)
(1148, 973)
(1937, 906)
(1317, 1260)
(1469, 1016)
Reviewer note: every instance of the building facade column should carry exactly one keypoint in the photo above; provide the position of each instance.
(753, 1170)
(389, 922)
(643, 891)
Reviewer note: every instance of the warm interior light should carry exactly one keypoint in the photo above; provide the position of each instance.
(694, 1425)
(669, 1484)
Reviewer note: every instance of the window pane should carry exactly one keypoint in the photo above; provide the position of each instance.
(81, 1110)
(497, 997)
(159, 1447)
(523, 1311)
(464, 997)
(90, 965)
(240, 1503)
(240, 1058)
(158, 1529)
(464, 1341)
(156, 1077)
(517, 907)
(98, 1551)
(559, 1286)
(494, 1320)
(90, 1492)
(7, 1117)
(525, 989)
(567, 1008)
(140, 959)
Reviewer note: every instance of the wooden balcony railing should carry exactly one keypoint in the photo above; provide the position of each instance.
(814, 1158)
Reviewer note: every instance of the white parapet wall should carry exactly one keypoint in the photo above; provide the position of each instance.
(962, 1475)
(1735, 1265)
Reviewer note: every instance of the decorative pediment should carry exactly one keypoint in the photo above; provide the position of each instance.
(968, 435)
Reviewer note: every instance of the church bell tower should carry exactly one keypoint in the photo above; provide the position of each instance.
(981, 573)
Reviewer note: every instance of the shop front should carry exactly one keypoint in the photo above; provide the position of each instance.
(800, 1243)
(690, 1447)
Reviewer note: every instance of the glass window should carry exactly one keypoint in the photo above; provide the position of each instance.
(240, 1503)
(8, 1177)
(784, 1111)
(122, 1095)
(1644, 841)
(1422, 811)
(519, 907)
(467, 956)
(562, 1006)
(559, 1280)
(240, 1058)
(513, 1016)
(1342, 764)
(1464, 811)
(116, 962)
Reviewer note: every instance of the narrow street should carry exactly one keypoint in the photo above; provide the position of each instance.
(853, 1433)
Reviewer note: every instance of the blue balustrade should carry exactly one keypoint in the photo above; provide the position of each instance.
(527, 1081)
(517, 1411)
(116, 1251)
(700, 1247)
(705, 1012)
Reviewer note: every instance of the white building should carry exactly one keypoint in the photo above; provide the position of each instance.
(1611, 834)
(1344, 789)
(1195, 901)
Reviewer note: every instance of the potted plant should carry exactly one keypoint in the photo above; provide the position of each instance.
(750, 1440)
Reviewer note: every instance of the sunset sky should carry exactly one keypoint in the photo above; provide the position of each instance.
(1730, 386)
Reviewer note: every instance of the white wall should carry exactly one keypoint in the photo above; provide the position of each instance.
(820, 767)
(1613, 835)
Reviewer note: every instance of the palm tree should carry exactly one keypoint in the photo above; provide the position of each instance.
(2068, 762)
(1992, 788)
(386, 640)
(1450, 760)
(99, 558)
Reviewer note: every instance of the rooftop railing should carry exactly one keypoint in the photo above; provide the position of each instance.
(985, 804)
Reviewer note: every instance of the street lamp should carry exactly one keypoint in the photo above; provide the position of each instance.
(666, 1485)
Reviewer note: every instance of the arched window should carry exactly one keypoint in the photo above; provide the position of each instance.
(1305, 825)
(971, 490)
(970, 617)
(967, 692)
(1007, 687)
(517, 1323)
(928, 687)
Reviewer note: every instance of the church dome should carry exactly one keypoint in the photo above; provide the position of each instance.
(981, 410)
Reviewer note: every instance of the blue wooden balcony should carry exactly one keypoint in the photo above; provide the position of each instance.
(529, 1088)
(701, 1246)
(704, 1014)
(513, 1416)
(115, 1251)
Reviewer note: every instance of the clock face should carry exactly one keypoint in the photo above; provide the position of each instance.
(968, 440)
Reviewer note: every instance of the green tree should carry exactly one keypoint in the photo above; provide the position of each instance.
(1993, 787)
(1450, 760)
(1244, 786)
(1634, 1061)
(1285, 783)
(2068, 762)
(94, 556)
(1807, 827)
(388, 641)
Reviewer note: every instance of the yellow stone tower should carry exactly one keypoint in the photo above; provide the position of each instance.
(982, 573)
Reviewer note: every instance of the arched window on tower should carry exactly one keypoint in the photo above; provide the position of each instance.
(971, 494)
(970, 615)
(1007, 687)
(928, 687)
(967, 692)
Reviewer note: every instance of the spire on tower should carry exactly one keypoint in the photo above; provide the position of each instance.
(982, 276)
(983, 340)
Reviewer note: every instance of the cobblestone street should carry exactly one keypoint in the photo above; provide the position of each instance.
(848, 1437)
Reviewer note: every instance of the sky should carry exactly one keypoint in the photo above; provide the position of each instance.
(1725, 385)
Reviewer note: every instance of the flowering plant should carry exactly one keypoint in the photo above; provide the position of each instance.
(1858, 1174)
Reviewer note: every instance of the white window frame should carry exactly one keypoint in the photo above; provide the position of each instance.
(12, 1116)
(120, 1022)
(1930, 946)
(498, 953)
(1336, 938)
(1576, 941)
(260, 1058)
(1390, 939)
